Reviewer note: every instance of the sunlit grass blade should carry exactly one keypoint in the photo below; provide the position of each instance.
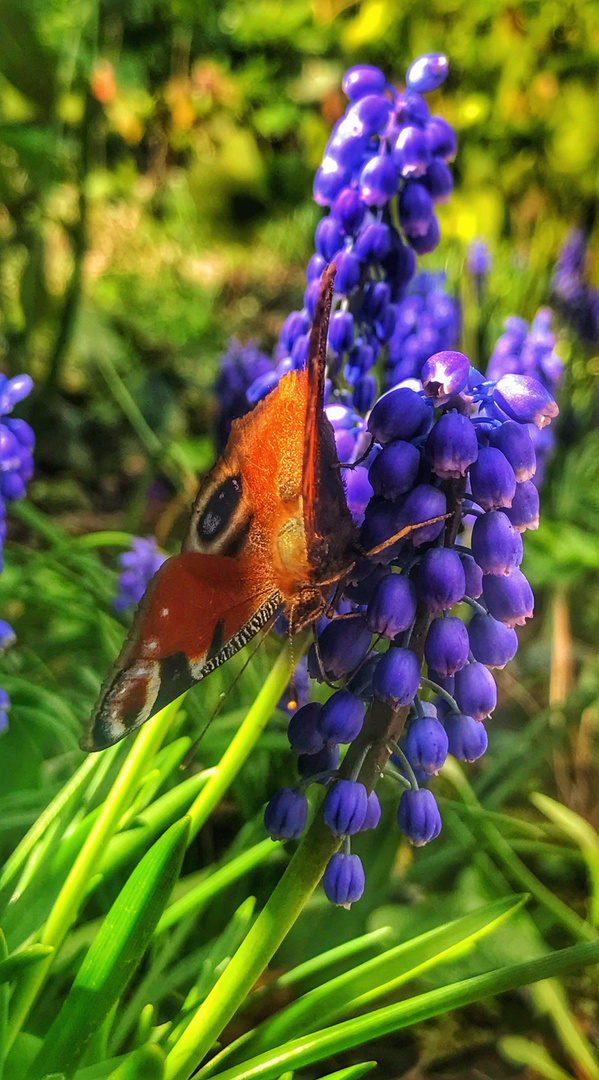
(353, 1072)
(3, 1005)
(10, 966)
(524, 1052)
(382, 974)
(66, 907)
(192, 902)
(321, 1045)
(582, 833)
(147, 1063)
(63, 800)
(114, 954)
(257, 717)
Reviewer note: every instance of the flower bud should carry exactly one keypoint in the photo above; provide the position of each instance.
(373, 243)
(345, 807)
(373, 812)
(330, 178)
(441, 580)
(475, 690)
(524, 511)
(492, 479)
(411, 152)
(422, 243)
(325, 761)
(423, 503)
(348, 210)
(378, 181)
(303, 732)
(438, 181)
(492, 643)
(452, 445)
(394, 469)
(392, 607)
(343, 879)
(418, 816)
(509, 599)
(14, 391)
(343, 644)
(7, 638)
(444, 374)
(473, 575)
(358, 492)
(427, 72)
(467, 737)
(515, 443)
(341, 331)
(399, 414)
(447, 645)
(415, 209)
(496, 546)
(328, 238)
(341, 718)
(525, 399)
(286, 814)
(348, 273)
(396, 677)
(425, 744)
(442, 138)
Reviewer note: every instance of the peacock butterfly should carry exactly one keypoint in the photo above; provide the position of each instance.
(270, 529)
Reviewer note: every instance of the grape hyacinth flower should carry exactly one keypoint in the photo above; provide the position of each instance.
(139, 565)
(17, 443)
(239, 369)
(422, 618)
(571, 293)
(524, 352)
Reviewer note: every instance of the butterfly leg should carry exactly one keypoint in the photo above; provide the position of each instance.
(407, 529)
(358, 461)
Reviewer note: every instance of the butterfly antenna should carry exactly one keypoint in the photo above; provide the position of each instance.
(407, 529)
(191, 753)
(292, 703)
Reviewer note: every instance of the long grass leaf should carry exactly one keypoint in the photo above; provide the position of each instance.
(114, 954)
(321, 1045)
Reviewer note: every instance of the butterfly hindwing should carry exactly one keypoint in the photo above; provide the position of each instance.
(198, 611)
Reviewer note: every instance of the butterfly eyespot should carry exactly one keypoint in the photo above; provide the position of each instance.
(220, 508)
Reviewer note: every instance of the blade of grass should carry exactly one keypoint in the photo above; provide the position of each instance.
(147, 1063)
(321, 1045)
(4, 991)
(582, 833)
(114, 954)
(361, 985)
(520, 1051)
(517, 870)
(247, 736)
(66, 906)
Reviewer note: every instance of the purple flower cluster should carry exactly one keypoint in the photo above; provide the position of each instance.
(17, 442)
(239, 368)
(428, 321)
(139, 564)
(442, 441)
(530, 352)
(460, 440)
(386, 161)
(572, 295)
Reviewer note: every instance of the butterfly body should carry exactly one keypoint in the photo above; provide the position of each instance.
(270, 529)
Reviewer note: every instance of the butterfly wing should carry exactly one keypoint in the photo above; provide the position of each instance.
(329, 528)
(198, 611)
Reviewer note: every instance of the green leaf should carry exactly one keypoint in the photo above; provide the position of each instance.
(353, 1072)
(522, 1051)
(384, 973)
(115, 952)
(582, 833)
(321, 1045)
(3, 1005)
(147, 1063)
(12, 965)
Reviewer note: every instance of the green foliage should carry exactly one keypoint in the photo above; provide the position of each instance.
(155, 197)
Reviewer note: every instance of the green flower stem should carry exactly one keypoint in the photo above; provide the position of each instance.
(276, 919)
(104, 538)
(85, 867)
(246, 738)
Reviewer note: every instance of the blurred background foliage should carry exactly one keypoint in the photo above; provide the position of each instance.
(156, 161)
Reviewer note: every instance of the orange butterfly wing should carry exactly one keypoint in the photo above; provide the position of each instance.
(197, 612)
(269, 519)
